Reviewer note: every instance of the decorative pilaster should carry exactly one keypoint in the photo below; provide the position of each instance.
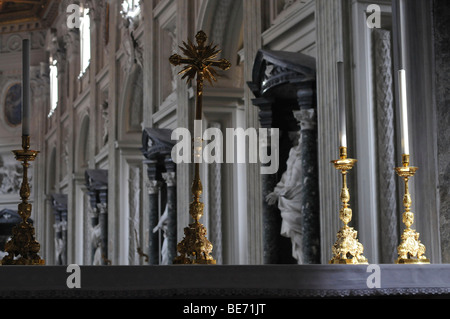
(384, 99)
(252, 30)
(329, 20)
(134, 217)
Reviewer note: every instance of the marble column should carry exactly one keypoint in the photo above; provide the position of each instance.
(271, 223)
(441, 39)
(310, 186)
(329, 18)
(153, 187)
(252, 30)
(171, 234)
(270, 218)
(387, 178)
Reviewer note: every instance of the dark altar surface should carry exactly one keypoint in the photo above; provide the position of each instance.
(233, 281)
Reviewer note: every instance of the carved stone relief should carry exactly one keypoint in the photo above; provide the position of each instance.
(132, 47)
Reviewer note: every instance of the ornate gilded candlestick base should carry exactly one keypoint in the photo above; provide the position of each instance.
(22, 248)
(195, 248)
(410, 250)
(347, 249)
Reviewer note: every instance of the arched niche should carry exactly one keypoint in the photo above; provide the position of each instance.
(222, 21)
(130, 113)
(82, 146)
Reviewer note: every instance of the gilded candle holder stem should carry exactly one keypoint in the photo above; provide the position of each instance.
(410, 250)
(347, 249)
(23, 248)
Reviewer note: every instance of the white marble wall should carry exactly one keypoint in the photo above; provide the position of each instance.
(130, 85)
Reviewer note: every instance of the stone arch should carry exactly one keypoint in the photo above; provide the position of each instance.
(82, 146)
(130, 113)
(222, 20)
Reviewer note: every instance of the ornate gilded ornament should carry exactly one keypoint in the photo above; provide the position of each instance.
(347, 249)
(23, 248)
(410, 250)
(199, 62)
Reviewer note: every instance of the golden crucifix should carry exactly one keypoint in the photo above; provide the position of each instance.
(199, 62)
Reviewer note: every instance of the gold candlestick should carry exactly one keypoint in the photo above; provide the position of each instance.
(195, 248)
(22, 248)
(410, 250)
(347, 249)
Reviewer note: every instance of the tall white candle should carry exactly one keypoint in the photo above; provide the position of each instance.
(401, 25)
(404, 111)
(341, 101)
(26, 87)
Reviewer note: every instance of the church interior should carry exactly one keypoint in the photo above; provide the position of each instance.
(349, 98)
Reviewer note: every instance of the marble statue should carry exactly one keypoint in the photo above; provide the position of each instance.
(10, 177)
(162, 225)
(105, 117)
(288, 194)
(96, 244)
(59, 250)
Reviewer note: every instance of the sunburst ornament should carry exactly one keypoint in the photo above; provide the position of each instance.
(199, 60)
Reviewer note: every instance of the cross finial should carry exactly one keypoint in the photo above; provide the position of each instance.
(200, 59)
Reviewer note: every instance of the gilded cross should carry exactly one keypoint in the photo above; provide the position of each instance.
(199, 62)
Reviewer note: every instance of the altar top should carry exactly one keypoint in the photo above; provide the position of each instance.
(229, 281)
